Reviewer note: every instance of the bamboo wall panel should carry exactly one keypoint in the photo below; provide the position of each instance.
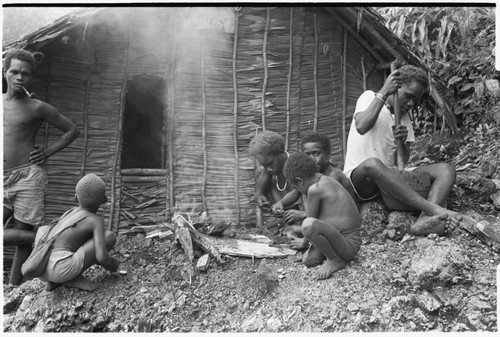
(295, 90)
(68, 97)
(278, 67)
(329, 84)
(355, 77)
(326, 49)
(206, 133)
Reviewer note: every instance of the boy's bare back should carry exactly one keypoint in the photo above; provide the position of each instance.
(328, 201)
(74, 237)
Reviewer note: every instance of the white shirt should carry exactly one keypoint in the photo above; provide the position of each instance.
(378, 141)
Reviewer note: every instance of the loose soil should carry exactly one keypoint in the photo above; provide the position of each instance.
(158, 294)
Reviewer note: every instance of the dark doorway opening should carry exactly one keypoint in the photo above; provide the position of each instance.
(143, 123)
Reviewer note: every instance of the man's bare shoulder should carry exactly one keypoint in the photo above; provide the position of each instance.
(34, 105)
(333, 172)
(324, 184)
(43, 107)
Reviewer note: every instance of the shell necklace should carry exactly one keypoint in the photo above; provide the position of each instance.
(277, 180)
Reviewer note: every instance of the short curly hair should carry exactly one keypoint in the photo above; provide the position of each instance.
(266, 143)
(21, 55)
(299, 165)
(91, 190)
(411, 73)
(317, 137)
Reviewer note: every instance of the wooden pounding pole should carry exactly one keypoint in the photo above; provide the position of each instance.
(397, 121)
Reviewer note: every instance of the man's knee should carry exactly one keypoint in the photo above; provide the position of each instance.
(309, 227)
(441, 172)
(7, 216)
(110, 238)
(447, 170)
(371, 166)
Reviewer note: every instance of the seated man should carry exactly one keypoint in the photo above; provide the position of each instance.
(333, 223)
(86, 243)
(317, 146)
(371, 153)
(268, 148)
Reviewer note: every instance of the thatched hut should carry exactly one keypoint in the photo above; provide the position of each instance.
(168, 98)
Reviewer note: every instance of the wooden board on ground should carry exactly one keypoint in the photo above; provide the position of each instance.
(160, 233)
(244, 248)
(487, 232)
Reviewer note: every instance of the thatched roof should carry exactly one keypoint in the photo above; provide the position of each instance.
(364, 23)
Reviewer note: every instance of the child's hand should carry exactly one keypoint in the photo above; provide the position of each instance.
(113, 266)
(277, 209)
(298, 243)
(294, 215)
(262, 201)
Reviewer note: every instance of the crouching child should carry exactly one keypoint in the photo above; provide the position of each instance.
(332, 227)
(86, 242)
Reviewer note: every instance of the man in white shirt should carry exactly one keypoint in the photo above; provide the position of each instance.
(371, 153)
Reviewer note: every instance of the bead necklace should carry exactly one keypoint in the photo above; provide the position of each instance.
(318, 178)
(277, 180)
(278, 186)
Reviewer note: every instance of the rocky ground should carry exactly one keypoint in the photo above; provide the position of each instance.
(410, 284)
(396, 283)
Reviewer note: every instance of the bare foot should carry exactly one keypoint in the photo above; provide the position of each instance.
(49, 286)
(426, 225)
(298, 258)
(329, 267)
(81, 282)
(312, 257)
(293, 231)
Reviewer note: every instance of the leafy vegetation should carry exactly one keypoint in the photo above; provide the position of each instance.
(458, 43)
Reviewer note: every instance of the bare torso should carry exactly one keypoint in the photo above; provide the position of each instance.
(21, 121)
(279, 187)
(336, 207)
(74, 237)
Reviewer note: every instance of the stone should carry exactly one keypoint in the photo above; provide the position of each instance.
(12, 301)
(495, 198)
(273, 324)
(427, 302)
(496, 182)
(100, 321)
(448, 297)
(253, 323)
(437, 263)
(475, 303)
(474, 318)
(397, 303)
(400, 222)
(203, 263)
(475, 186)
(26, 303)
(374, 219)
(485, 277)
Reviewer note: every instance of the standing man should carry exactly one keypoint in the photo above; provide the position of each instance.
(25, 177)
(371, 153)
